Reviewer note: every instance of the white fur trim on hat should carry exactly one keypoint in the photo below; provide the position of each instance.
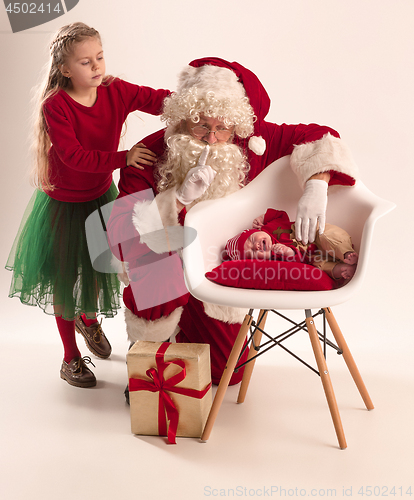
(323, 155)
(222, 81)
(257, 144)
(157, 223)
(226, 314)
(212, 91)
(156, 331)
(232, 247)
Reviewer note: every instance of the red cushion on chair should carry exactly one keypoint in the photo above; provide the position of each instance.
(270, 275)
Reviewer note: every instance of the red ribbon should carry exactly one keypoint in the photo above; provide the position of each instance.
(166, 406)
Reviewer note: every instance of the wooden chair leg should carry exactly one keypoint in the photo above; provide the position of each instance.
(227, 373)
(326, 379)
(248, 369)
(349, 360)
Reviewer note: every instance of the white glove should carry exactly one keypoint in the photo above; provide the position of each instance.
(197, 180)
(311, 210)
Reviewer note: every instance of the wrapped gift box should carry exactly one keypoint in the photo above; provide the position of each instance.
(169, 388)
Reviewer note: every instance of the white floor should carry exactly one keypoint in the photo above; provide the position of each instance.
(61, 442)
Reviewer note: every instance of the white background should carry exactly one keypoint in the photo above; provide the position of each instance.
(346, 64)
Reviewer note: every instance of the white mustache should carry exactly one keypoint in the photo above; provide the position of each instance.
(183, 154)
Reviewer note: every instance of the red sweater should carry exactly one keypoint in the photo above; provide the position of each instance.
(85, 140)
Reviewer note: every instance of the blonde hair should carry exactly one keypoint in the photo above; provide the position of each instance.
(214, 92)
(61, 48)
(193, 102)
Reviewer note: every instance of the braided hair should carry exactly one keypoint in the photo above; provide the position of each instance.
(61, 48)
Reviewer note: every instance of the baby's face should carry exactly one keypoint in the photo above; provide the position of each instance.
(258, 246)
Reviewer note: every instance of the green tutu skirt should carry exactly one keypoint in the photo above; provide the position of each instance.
(51, 264)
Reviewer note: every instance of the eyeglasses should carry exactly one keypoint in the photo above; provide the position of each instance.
(223, 134)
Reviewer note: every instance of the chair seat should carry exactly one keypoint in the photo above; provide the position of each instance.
(208, 291)
(355, 209)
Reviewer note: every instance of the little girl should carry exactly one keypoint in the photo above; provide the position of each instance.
(80, 119)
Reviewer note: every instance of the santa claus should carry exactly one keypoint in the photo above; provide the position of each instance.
(216, 141)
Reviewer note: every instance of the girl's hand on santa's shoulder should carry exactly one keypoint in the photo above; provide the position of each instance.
(139, 155)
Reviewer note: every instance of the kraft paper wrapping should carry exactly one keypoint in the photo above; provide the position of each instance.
(144, 404)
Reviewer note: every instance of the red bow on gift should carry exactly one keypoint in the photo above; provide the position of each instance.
(159, 384)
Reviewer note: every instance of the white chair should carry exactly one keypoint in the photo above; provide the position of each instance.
(355, 209)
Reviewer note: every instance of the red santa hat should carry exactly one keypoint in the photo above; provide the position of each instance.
(235, 246)
(255, 91)
(225, 89)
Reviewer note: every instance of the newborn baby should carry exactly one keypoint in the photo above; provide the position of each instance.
(273, 237)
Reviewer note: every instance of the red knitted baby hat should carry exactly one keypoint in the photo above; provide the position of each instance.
(235, 246)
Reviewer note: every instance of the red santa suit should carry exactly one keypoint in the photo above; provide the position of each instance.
(146, 233)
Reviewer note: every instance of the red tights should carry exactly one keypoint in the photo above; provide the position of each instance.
(67, 334)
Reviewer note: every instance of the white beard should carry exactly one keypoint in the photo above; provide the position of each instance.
(183, 154)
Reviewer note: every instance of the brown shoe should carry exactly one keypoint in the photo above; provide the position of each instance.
(94, 337)
(77, 373)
